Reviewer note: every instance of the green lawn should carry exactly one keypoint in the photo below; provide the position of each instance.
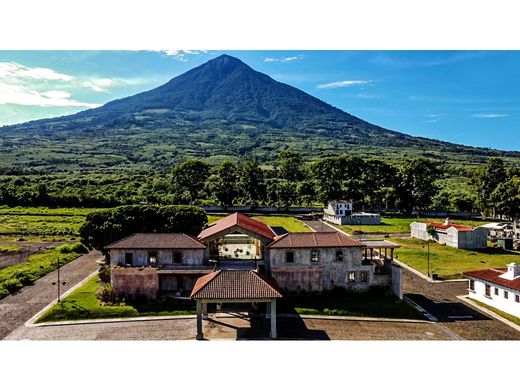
(399, 225)
(10, 248)
(501, 313)
(83, 304)
(341, 303)
(15, 277)
(448, 262)
(289, 223)
(37, 223)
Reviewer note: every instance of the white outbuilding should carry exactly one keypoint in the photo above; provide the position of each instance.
(456, 236)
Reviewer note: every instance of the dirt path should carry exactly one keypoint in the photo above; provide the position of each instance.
(440, 300)
(319, 226)
(17, 308)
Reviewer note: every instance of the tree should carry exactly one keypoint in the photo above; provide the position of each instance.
(416, 185)
(507, 197)
(190, 176)
(291, 166)
(485, 180)
(223, 183)
(251, 182)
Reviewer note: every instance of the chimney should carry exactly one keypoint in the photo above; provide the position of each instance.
(447, 221)
(513, 271)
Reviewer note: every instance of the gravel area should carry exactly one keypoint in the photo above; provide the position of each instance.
(440, 299)
(16, 309)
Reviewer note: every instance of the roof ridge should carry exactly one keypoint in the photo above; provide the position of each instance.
(121, 239)
(204, 282)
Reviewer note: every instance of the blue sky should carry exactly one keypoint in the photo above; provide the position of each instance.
(468, 97)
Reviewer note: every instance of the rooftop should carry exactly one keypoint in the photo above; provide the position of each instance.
(380, 244)
(235, 284)
(157, 241)
(315, 240)
(443, 226)
(493, 275)
(239, 220)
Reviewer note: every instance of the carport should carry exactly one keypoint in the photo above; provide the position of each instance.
(235, 286)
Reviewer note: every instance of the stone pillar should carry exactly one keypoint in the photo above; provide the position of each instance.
(200, 335)
(204, 310)
(273, 319)
(268, 310)
(391, 253)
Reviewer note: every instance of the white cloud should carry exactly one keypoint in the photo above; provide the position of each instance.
(344, 83)
(20, 95)
(14, 70)
(285, 59)
(489, 116)
(182, 55)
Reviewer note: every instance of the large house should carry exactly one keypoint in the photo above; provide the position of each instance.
(499, 288)
(152, 264)
(456, 236)
(340, 212)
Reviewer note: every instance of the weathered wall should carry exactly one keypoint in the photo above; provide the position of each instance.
(133, 282)
(397, 281)
(476, 239)
(324, 275)
(354, 219)
(164, 256)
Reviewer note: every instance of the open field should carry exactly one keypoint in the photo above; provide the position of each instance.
(83, 304)
(448, 262)
(41, 223)
(289, 223)
(513, 319)
(16, 276)
(400, 225)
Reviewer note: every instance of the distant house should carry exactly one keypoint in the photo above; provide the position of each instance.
(456, 236)
(340, 212)
(499, 288)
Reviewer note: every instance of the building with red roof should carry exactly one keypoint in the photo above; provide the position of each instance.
(496, 287)
(447, 233)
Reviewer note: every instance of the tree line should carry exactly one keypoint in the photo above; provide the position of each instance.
(289, 180)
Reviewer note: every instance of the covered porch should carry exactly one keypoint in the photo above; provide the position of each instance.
(235, 287)
(380, 253)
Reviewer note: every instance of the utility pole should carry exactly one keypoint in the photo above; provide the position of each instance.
(428, 257)
(59, 291)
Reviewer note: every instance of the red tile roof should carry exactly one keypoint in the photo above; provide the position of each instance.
(235, 284)
(157, 241)
(460, 228)
(492, 275)
(315, 240)
(240, 220)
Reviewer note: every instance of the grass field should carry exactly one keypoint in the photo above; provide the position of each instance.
(15, 277)
(83, 304)
(340, 303)
(289, 223)
(501, 313)
(10, 248)
(400, 225)
(448, 262)
(41, 223)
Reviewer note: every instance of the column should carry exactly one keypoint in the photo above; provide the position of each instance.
(273, 319)
(204, 310)
(267, 310)
(200, 336)
(391, 253)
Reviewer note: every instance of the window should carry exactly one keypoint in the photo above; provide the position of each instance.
(315, 255)
(129, 259)
(488, 290)
(339, 255)
(351, 277)
(363, 276)
(472, 285)
(152, 259)
(289, 257)
(506, 294)
(517, 298)
(177, 257)
(496, 291)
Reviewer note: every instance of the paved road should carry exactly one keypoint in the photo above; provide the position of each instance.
(233, 328)
(440, 299)
(17, 308)
(319, 226)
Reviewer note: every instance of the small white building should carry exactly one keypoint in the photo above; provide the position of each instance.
(456, 236)
(499, 288)
(340, 212)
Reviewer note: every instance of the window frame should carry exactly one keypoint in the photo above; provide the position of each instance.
(353, 279)
(175, 259)
(152, 255)
(496, 291)
(317, 251)
(129, 256)
(291, 253)
(340, 252)
(472, 285)
(517, 298)
(361, 274)
(506, 294)
(487, 290)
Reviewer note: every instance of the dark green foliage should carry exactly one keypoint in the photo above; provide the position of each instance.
(104, 227)
(106, 294)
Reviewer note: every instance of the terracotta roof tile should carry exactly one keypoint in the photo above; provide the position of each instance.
(492, 275)
(240, 220)
(315, 240)
(157, 241)
(235, 284)
(460, 228)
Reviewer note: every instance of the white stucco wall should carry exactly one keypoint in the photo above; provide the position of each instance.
(475, 239)
(508, 305)
(164, 256)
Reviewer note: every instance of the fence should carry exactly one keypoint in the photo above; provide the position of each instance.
(458, 214)
(263, 209)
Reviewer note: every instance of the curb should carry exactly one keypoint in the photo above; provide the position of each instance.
(431, 317)
(476, 306)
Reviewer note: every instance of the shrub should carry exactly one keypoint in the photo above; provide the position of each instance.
(78, 248)
(105, 294)
(304, 310)
(64, 248)
(12, 284)
(104, 273)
